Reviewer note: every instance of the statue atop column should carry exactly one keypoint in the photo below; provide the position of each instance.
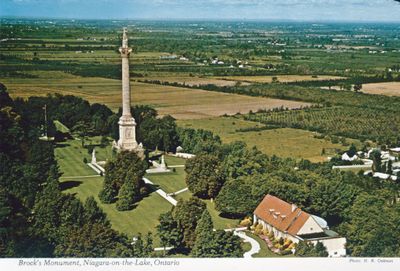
(127, 125)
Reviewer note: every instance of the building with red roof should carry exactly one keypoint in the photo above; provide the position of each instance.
(287, 221)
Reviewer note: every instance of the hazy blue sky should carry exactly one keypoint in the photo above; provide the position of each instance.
(338, 10)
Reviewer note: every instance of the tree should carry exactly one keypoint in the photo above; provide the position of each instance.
(6, 242)
(235, 198)
(81, 129)
(127, 196)
(377, 161)
(204, 178)
(90, 240)
(332, 199)
(210, 243)
(352, 151)
(93, 213)
(357, 87)
(307, 249)
(168, 231)
(389, 168)
(371, 227)
(204, 236)
(142, 249)
(126, 167)
(187, 213)
(240, 161)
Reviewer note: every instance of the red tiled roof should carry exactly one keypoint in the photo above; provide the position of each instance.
(283, 216)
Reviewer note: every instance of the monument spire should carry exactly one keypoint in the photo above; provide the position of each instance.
(127, 124)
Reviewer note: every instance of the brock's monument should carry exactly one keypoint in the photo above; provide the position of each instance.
(127, 125)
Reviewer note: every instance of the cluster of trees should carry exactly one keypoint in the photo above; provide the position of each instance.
(353, 204)
(123, 181)
(36, 218)
(74, 112)
(189, 229)
(364, 124)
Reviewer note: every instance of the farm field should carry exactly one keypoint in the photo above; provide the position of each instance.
(281, 78)
(388, 89)
(283, 142)
(194, 81)
(181, 103)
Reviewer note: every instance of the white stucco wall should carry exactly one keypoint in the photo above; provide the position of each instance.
(336, 247)
(311, 226)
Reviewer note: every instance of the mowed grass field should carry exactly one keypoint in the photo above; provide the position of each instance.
(169, 182)
(281, 78)
(181, 103)
(388, 89)
(79, 179)
(284, 142)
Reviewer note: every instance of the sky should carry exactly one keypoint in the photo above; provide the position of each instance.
(299, 10)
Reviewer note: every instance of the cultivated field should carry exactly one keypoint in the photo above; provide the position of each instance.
(281, 78)
(181, 103)
(196, 81)
(283, 142)
(388, 89)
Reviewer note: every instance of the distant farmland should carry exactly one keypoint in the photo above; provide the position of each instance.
(182, 103)
(388, 89)
(280, 78)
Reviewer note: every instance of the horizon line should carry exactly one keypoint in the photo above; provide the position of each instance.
(202, 19)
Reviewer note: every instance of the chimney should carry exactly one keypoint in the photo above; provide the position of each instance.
(294, 207)
(283, 217)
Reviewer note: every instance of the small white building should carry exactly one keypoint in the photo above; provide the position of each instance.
(346, 157)
(288, 221)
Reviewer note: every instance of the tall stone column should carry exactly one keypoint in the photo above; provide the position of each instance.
(127, 124)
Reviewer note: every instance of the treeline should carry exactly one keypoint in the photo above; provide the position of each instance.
(36, 218)
(238, 178)
(365, 124)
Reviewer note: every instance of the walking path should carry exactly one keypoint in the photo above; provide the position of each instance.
(162, 193)
(180, 191)
(80, 177)
(255, 246)
(176, 166)
(98, 171)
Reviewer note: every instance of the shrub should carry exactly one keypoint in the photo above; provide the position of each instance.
(246, 222)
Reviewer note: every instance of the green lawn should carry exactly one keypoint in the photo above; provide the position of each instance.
(173, 161)
(70, 156)
(169, 182)
(285, 142)
(220, 223)
(265, 252)
(61, 127)
(143, 218)
(184, 195)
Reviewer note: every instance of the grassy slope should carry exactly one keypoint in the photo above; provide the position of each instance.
(284, 142)
(169, 182)
(142, 219)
